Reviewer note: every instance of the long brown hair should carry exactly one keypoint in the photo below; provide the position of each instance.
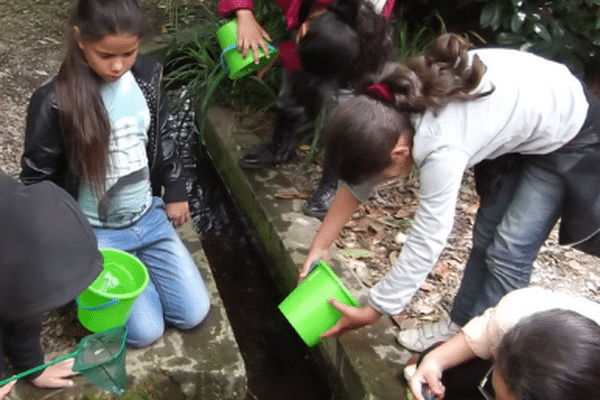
(442, 75)
(362, 132)
(82, 116)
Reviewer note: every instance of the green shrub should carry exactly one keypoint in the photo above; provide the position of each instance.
(564, 30)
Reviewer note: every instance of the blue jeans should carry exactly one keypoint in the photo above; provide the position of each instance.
(176, 293)
(508, 232)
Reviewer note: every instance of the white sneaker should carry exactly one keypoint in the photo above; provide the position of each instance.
(421, 338)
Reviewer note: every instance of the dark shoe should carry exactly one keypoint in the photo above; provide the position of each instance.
(319, 202)
(264, 156)
(281, 149)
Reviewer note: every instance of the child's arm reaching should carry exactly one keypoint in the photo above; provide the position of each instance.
(449, 354)
(352, 318)
(343, 206)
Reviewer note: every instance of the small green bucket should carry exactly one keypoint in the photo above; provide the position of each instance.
(106, 303)
(232, 60)
(306, 308)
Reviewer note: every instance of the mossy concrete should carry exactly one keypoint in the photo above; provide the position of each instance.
(202, 363)
(363, 364)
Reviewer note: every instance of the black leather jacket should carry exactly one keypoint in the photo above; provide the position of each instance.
(44, 156)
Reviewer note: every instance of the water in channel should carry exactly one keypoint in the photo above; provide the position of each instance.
(278, 363)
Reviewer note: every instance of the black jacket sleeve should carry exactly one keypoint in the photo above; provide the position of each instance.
(44, 155)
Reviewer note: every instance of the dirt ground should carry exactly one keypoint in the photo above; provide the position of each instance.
(31, 33)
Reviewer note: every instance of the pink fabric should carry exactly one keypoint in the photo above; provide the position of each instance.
(227, 8)
(288, 54)
(387, 9)
(290, 9)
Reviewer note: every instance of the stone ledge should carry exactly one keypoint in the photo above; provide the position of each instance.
(202, 363)
(364, 364)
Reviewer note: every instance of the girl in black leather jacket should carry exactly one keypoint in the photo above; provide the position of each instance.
(99, 130)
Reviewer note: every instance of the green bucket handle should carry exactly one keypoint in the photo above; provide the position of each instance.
(99, 307)
(231, 47)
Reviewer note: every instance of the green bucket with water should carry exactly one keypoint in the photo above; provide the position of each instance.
(106, 303)
(232, 60)
(307, 308)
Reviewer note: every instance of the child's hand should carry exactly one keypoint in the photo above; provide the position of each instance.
(54, 376)
(251, 34)
(6, 388)
(178, 212)
(428, 375)
(352, 318)
(312, 258)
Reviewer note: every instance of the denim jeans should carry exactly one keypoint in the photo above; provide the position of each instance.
(176, 293)
(509, 230)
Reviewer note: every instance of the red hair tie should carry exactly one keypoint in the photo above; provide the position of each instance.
(381, 91)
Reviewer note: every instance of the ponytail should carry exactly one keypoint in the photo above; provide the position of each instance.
(443, 74)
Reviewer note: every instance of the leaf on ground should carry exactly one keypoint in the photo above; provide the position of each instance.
(397, 319)
(472, 209)
(395, 222)
(442, 270)
(360, 224)
(403, 213)
(426, 287)
(290, 194)
(357, 254)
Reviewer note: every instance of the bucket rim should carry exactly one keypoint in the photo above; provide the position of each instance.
(122, 296)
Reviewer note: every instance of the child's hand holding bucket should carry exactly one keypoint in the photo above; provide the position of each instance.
(352, 318)
(239, 64)
(321, 306)
(251, 35)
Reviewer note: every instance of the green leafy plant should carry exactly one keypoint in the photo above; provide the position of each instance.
(411, 42)
(565, 30)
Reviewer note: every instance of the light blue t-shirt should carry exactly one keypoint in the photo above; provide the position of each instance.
(128, 193)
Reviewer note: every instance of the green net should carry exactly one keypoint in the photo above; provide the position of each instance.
(101, 359)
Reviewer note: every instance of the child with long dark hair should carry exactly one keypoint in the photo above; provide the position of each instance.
(99, 130)
(534, 344)
(337, 43)
(528, 126)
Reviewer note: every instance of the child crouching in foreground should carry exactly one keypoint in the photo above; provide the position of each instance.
(539, 345)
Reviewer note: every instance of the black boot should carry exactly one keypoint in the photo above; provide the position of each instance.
(319, 202)
(281, 148)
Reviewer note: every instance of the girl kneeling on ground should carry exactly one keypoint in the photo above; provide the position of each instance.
(99, 130)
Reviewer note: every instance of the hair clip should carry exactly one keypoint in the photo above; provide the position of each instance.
(381, 91)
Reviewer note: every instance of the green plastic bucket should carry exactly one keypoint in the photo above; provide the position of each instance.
(306, 308)
(106, 303)
(232, 60)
